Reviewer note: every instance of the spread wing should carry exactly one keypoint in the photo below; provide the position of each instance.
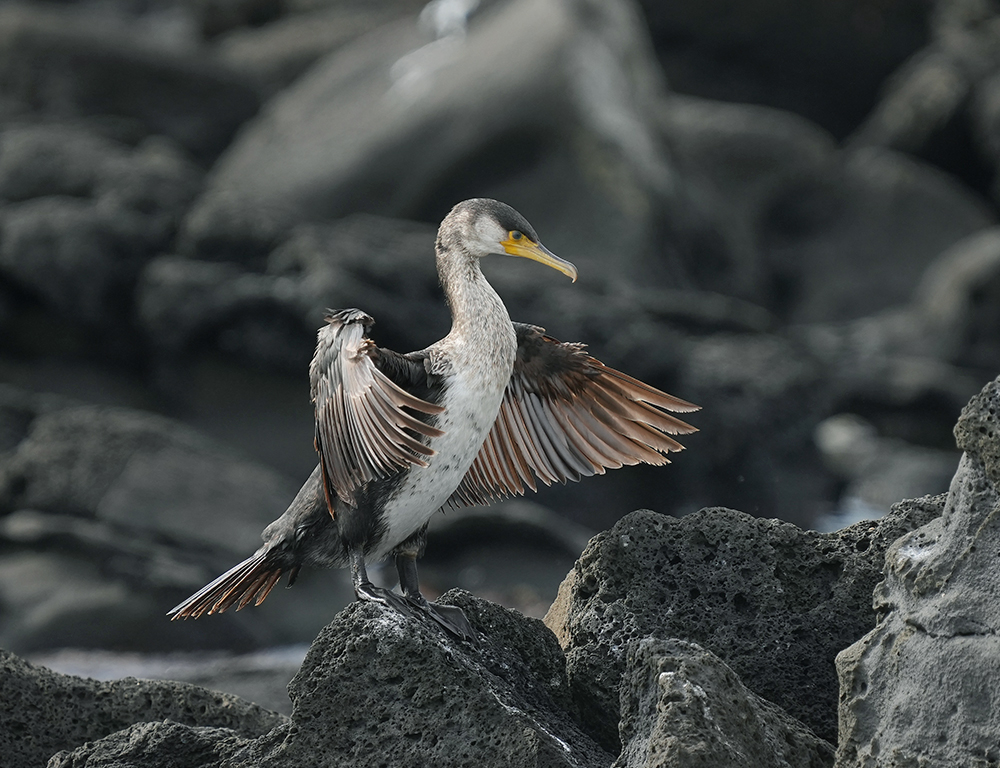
(363, 428)
(566, 415)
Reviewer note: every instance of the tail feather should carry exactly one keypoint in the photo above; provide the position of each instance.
(249, 581)
(263, 585)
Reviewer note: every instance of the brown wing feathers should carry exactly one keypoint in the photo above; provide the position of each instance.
(362, 431)
(566, 415)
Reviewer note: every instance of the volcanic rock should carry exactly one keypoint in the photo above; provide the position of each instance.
(774, 602)
(683, 707)
(44, 712)
(918, 689)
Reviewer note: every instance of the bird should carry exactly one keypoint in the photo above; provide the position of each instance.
(487, 412)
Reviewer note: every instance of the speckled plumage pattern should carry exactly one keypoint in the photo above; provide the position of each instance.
(477, 416)
(474, 363)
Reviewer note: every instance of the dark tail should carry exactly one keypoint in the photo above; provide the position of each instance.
(250, 581)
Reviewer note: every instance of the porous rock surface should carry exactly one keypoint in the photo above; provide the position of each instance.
(774, 602)
(380, 689)
(44, 712)
(937, 634)
(682, 707)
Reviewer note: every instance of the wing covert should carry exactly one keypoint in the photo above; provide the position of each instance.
(566, 415)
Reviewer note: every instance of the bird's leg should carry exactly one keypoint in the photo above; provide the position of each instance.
(450, 617)
(363, 588)
(411, 603)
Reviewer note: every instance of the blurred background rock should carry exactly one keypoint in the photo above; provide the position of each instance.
(783, 211)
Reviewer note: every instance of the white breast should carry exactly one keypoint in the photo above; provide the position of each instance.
(471, 405)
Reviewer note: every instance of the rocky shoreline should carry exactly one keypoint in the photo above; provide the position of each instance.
(706, 640)
(785, 212)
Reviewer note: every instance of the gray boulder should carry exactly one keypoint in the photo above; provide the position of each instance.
(154, 177)
(44, 712)
(269, 316)
(138, 470)
(774, 602)
(561, 129)
(775, 213)
(737, 161)
(110, 516)
(917, 689)
(81, 216)
(682, 707)
(857, 240)
(273, 55)
(379, 687)
(57, 62)
(166, 743)
(76, 257)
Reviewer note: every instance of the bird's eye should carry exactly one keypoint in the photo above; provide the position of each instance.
(515, 235)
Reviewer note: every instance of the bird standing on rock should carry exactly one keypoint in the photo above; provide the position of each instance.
(476, 416)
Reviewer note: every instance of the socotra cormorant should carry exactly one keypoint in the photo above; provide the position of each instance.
(480, 415)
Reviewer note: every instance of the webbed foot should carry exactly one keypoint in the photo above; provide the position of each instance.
(451, 618)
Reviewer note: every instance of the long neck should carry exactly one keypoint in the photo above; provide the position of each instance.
(475, 307)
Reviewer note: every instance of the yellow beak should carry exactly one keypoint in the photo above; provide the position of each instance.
(524, 248)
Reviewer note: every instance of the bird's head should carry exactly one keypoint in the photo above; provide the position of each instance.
(486, 227)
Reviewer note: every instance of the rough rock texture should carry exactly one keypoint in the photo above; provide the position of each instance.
(774, 602)
(166, 743)
(44, 712)
(378, 688)
(403, 691)
(682, 707)
(920, 689)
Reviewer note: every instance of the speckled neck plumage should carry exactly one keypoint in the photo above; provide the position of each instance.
(481, 331)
